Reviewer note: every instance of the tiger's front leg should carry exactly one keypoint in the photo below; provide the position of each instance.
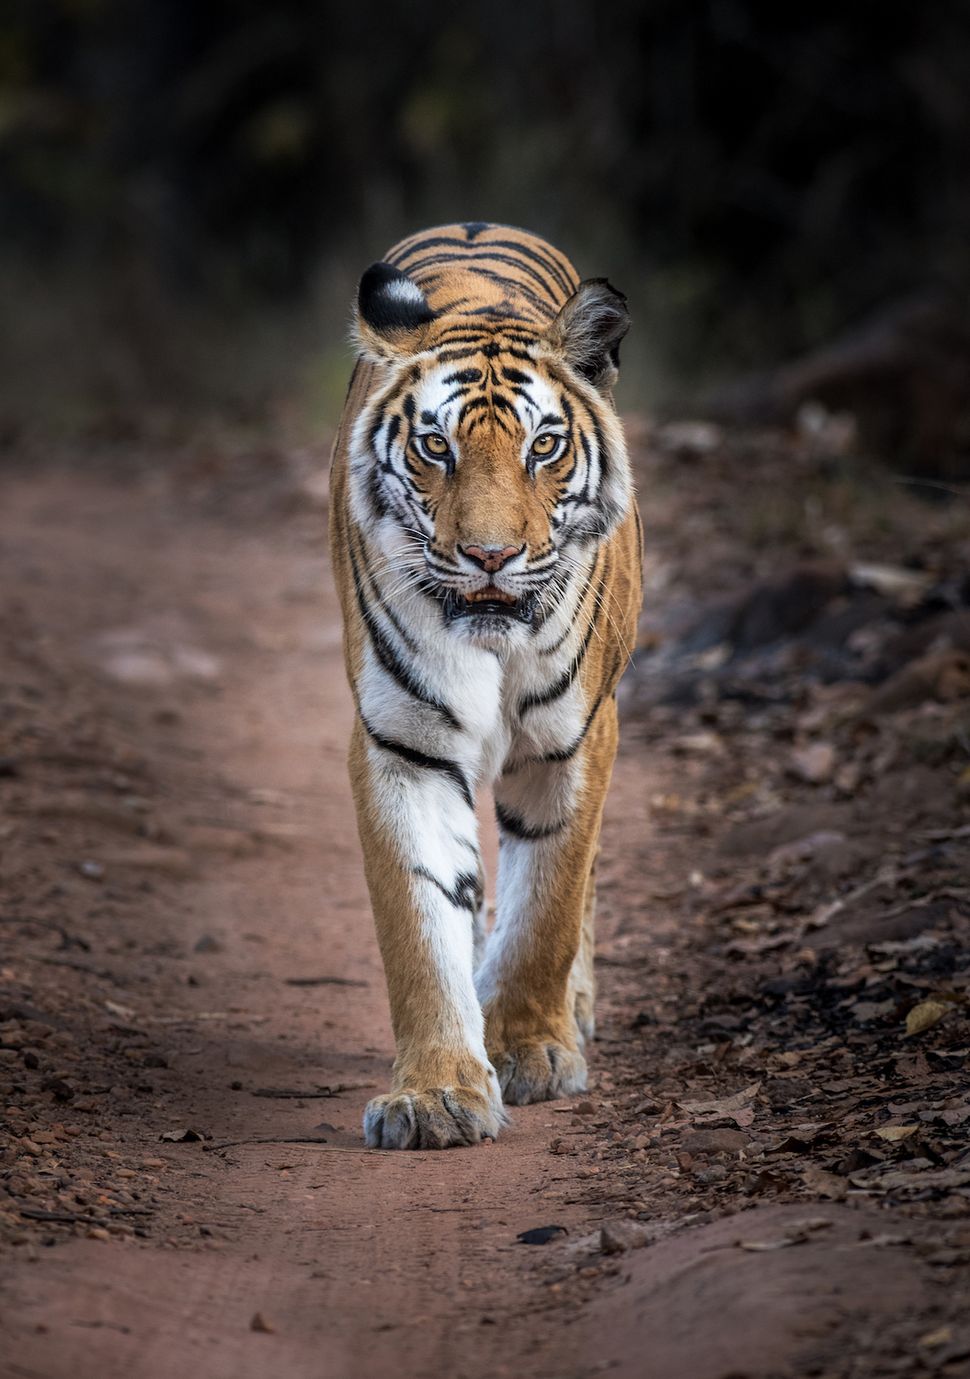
(417, 830)
(533, 976)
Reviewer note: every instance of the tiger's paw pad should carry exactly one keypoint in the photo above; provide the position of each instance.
(438, 1118)
(539, 1071)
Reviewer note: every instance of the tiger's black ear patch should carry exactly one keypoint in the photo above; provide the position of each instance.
(589, 328)
(389, 304)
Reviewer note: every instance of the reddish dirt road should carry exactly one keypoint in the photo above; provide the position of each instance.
(181, 865)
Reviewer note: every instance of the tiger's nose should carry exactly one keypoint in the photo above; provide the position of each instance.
(491, 558)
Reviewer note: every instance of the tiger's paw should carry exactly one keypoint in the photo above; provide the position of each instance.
(437, 1118)
(538, 1070)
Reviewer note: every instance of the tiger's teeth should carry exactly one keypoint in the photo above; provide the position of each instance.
(490, 595)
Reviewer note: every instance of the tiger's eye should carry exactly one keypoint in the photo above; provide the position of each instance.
(436, 445)
(544, 445)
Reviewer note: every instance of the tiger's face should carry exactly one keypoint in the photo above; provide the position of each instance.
(495, 453)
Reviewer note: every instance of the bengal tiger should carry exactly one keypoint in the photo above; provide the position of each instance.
(487, 553)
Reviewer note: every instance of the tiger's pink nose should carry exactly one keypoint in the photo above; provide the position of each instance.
(491, 558)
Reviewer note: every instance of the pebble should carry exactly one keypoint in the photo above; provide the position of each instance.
(618, 1236)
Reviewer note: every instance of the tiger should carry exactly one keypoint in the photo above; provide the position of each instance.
(487, 554)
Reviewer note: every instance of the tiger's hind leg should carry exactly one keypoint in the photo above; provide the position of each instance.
(582, 978)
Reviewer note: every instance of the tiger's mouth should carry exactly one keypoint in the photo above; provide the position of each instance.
(490, 602)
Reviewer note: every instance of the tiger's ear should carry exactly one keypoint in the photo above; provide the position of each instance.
(588, 330)
(392, 313)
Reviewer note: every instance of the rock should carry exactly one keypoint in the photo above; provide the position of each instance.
(813, 764)
(208, 944)
(619, 1236)
(716, 1173)
(261, 1323)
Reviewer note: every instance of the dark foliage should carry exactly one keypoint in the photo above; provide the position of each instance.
(776, 168)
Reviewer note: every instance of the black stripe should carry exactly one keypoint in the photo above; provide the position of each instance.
(560, 686)
(447, 355)
(466, 894)
(514, 288)
(580, 605)
(416, 758)
(518, 828)
(567, 283)
(388, 657)
(567, 753)
(477, 256)
(464, 376)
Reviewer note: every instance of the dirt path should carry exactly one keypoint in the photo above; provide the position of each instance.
(196, 954)
(360, 1262)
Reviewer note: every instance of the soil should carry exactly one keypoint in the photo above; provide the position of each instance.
(770, 1172)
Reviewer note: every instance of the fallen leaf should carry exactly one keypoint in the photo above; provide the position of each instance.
(117, 1009)
(734, 1107)
(925, 1015)
(825, 1184)
(803, 1136)
(940, 1336)
(892, 1134)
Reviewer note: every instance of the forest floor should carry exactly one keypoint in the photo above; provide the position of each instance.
(770, 1172)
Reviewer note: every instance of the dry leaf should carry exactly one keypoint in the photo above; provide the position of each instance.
(925, 1015)
(825, 1184)
(894, 1133)
(940, 1336)
(119, 1011)
(734, 1107)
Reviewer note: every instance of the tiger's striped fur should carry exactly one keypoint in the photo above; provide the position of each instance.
(487, 553)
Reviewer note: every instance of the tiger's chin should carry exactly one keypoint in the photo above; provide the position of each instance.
(488, 615)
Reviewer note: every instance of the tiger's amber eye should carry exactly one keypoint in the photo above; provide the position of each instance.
(436, 445)
(544, 445)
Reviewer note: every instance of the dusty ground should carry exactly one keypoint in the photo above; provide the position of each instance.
(770, 1174)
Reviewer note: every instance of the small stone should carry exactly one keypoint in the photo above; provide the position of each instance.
(715, 1174)
(724, 1141)
(261, 1323)
(58, 1088)
(618, 1236)
(208, 944)
(814, 764)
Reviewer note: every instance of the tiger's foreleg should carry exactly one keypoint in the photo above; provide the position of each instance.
(418, 836)
(535, 966)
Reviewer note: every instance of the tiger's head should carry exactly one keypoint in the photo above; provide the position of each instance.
(490, 455)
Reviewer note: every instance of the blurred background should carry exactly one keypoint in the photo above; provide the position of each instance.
(190, 190)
